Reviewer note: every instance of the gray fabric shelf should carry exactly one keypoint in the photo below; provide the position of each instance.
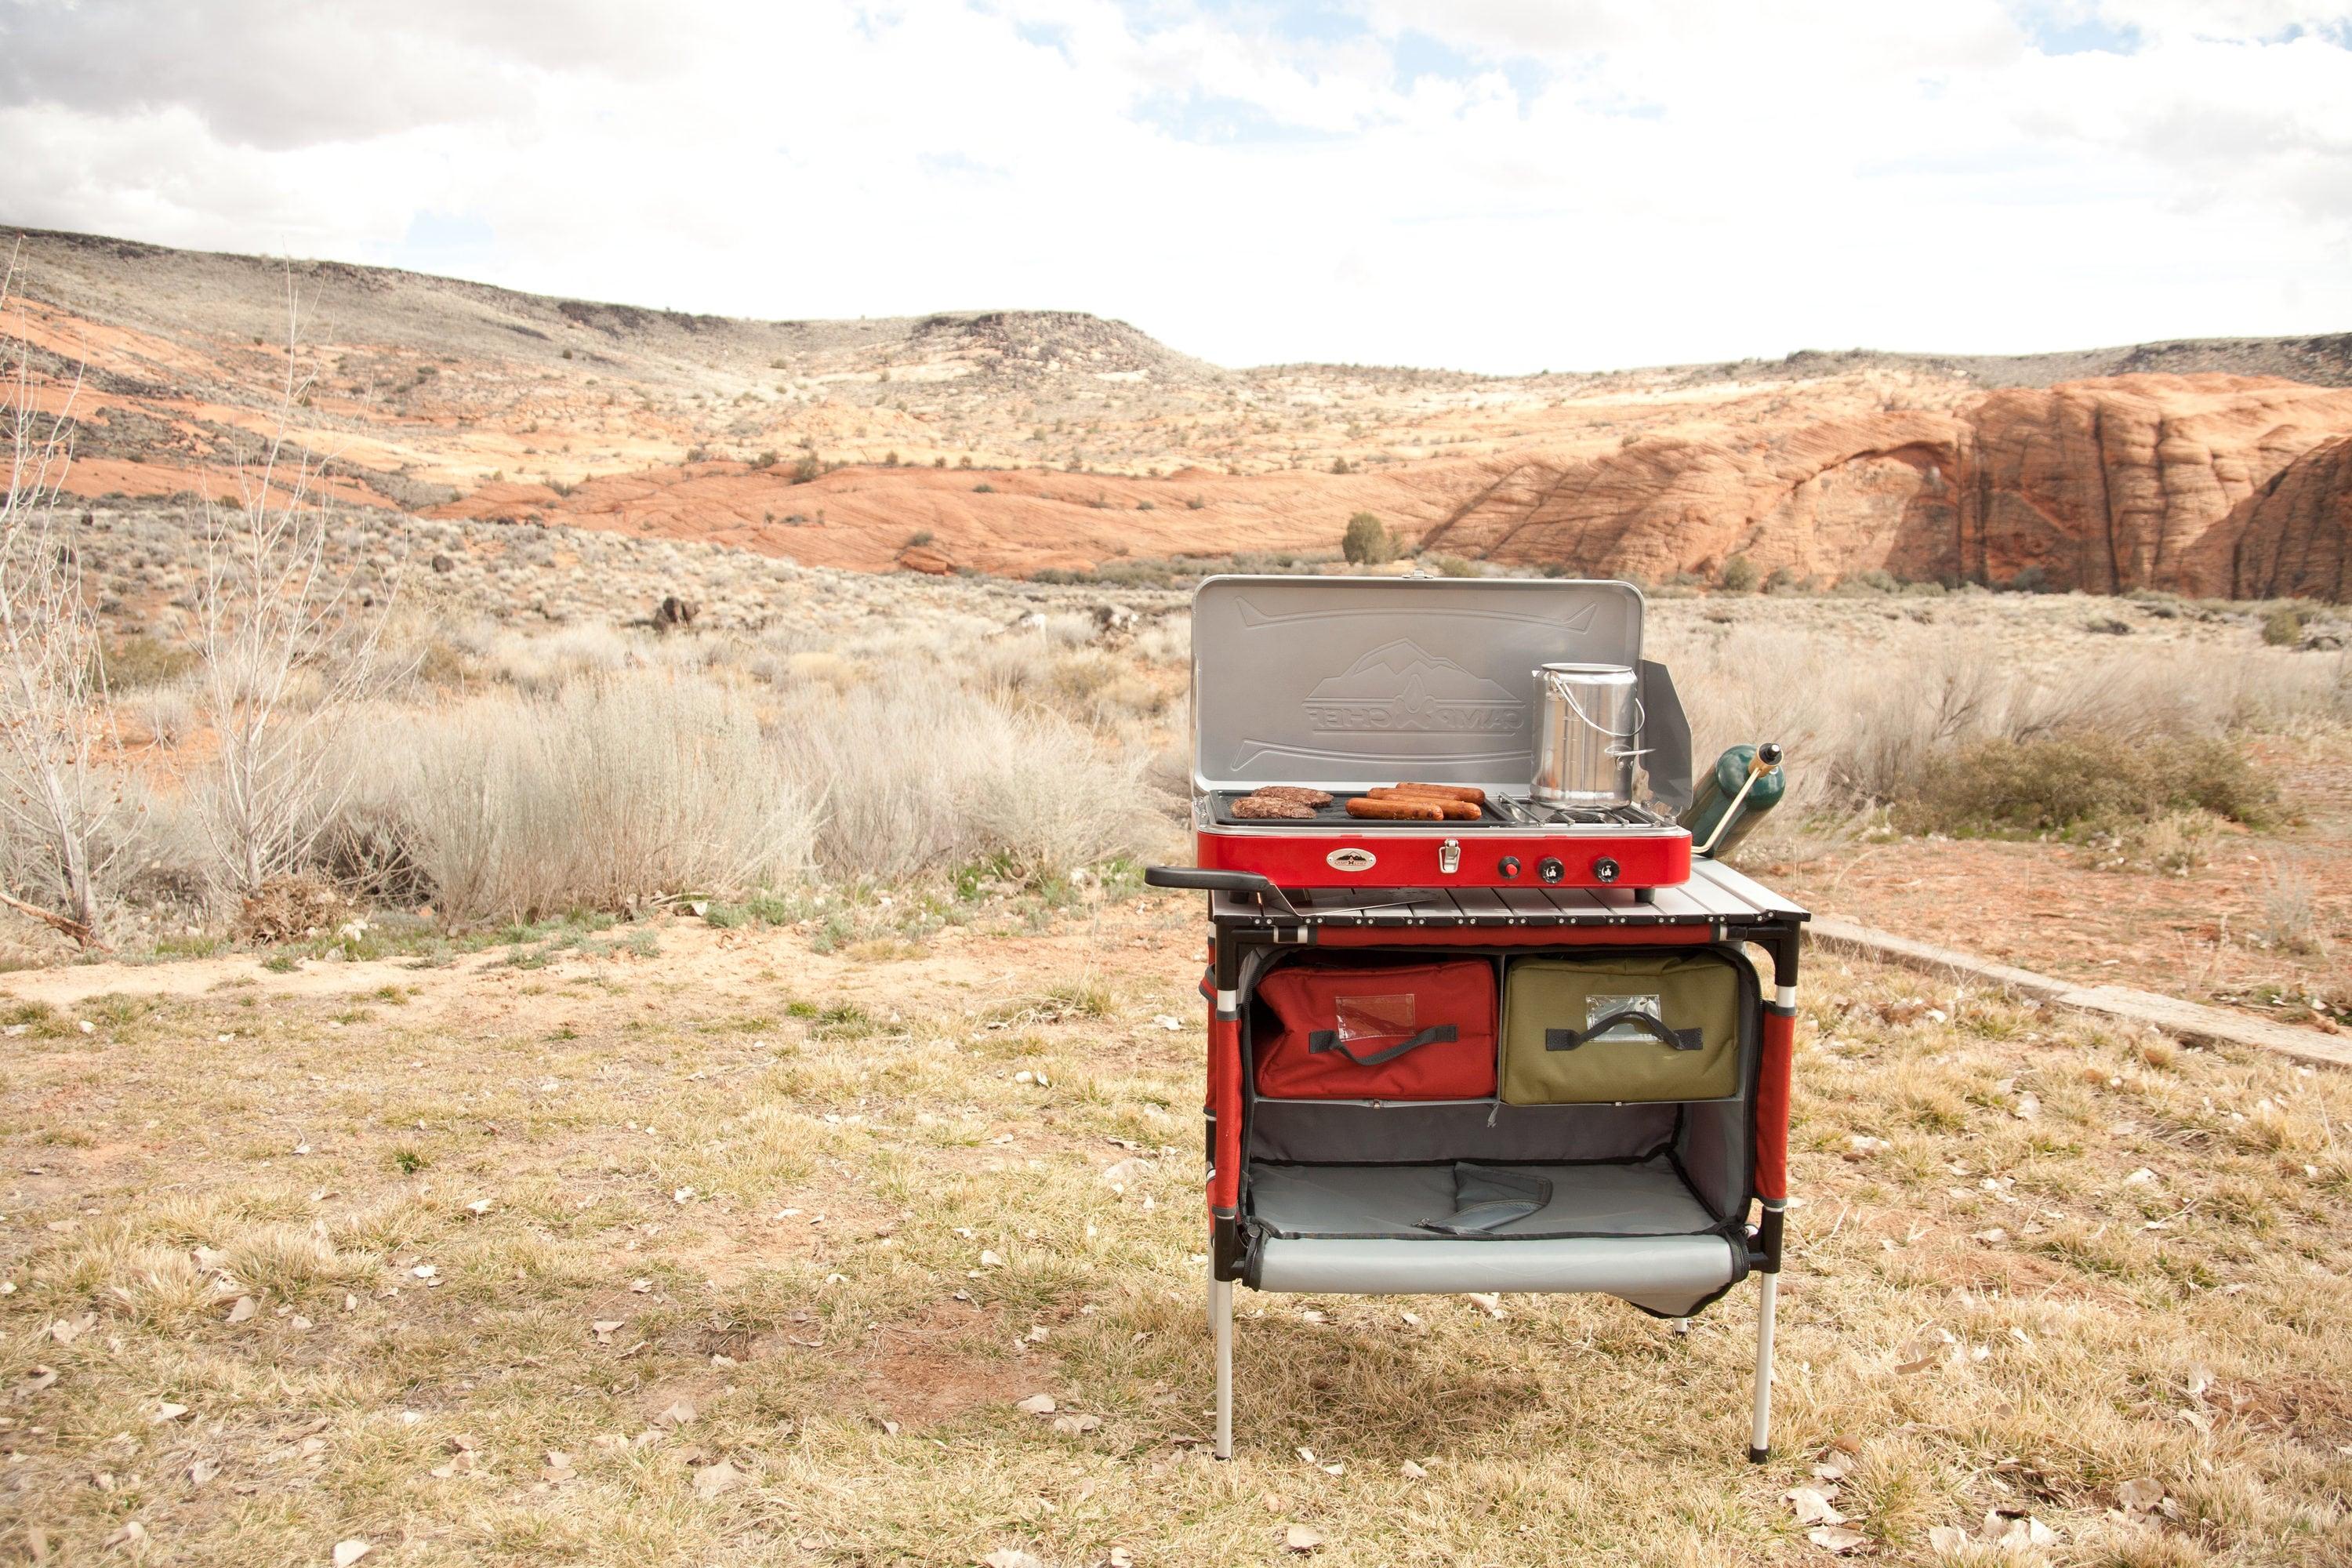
(1641, 1198)
(1634, 1231)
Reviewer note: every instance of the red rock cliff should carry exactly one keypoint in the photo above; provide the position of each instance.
(2292, 538)
(2109, 485)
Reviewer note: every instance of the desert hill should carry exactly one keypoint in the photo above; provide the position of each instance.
(1011, 441)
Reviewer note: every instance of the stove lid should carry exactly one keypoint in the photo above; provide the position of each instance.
(1347, 682)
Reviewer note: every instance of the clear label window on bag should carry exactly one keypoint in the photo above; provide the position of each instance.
(1373, 1017)
(1598, 1007)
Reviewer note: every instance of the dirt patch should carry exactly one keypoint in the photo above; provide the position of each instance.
(2213, 932)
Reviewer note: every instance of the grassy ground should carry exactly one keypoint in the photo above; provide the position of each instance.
(719, 1249)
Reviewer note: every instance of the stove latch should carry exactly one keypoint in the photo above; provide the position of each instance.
(1449, 856)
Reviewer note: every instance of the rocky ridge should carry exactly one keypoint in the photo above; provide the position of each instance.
(1008, 442)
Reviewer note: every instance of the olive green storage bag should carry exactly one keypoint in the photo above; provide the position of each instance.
(1615, 1027)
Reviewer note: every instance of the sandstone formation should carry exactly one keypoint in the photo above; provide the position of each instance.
(2106, 486)
(2292, 538)
(924, 559)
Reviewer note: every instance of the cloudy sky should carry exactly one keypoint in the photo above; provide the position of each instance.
(1495, 184)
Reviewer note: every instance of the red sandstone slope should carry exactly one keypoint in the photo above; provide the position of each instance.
(2106, 486)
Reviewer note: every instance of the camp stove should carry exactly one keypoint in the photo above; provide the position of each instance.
(1346, 684)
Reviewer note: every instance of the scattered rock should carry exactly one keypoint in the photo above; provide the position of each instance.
(717, 1480)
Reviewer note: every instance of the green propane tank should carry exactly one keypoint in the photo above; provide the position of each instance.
(1719, 795)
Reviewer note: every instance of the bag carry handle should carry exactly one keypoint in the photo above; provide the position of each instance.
(1323, 1040)
(1679, 1039)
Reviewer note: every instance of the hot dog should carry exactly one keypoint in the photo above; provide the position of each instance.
(1456, 810)
(1395, 809)
(1470, 792)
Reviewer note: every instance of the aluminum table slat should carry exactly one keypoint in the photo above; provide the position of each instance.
(1441, 907)
(1480, 904)
(1763, 899)
(1526, 904)
(1676, 904)
(1574, 902)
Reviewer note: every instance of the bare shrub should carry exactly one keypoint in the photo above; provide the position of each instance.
(2082, 775)
(2172, 845)
(2136, 737)
(58, 803)
(921, 775)
(552, 659)
(614, 790)
(1167, 640)
(170, 714)
(286, 908)
(288, 647)
(2290, 912)
(1040, 670)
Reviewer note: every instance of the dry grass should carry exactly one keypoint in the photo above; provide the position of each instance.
(922, 728)
(857, 1363)
(921, 776)
(596, 768)
(608, 791)
(1922, 715)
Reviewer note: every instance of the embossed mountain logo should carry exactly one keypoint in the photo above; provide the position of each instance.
(1401, 686)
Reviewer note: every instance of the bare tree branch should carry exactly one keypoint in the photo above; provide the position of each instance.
(287, 648)
(57, 799)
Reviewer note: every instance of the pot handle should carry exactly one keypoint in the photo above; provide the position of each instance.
(1640, 718)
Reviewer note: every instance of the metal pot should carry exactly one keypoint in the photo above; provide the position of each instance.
(1588, 727)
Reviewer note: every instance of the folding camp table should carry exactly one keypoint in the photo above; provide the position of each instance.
(1667, 1206)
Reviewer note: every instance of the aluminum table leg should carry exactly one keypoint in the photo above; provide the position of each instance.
(1759, 1438)
(1221, 1324)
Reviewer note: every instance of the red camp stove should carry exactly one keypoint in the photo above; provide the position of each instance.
(1349, 684)
(1515, 842)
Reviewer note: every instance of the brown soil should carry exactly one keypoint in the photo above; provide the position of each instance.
(2204, 934)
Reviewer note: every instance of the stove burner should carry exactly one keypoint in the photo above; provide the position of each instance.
(1501, 812)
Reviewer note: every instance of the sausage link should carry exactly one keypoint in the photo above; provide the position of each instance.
(1470, 792)
(1395, 810)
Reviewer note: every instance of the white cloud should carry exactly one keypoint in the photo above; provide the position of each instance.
(1590, 185)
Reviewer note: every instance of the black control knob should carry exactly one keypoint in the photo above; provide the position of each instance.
(1509, 866)
(1604, 869)
(1549, 869)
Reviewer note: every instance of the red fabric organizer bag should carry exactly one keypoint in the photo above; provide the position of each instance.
(1420, 1031)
